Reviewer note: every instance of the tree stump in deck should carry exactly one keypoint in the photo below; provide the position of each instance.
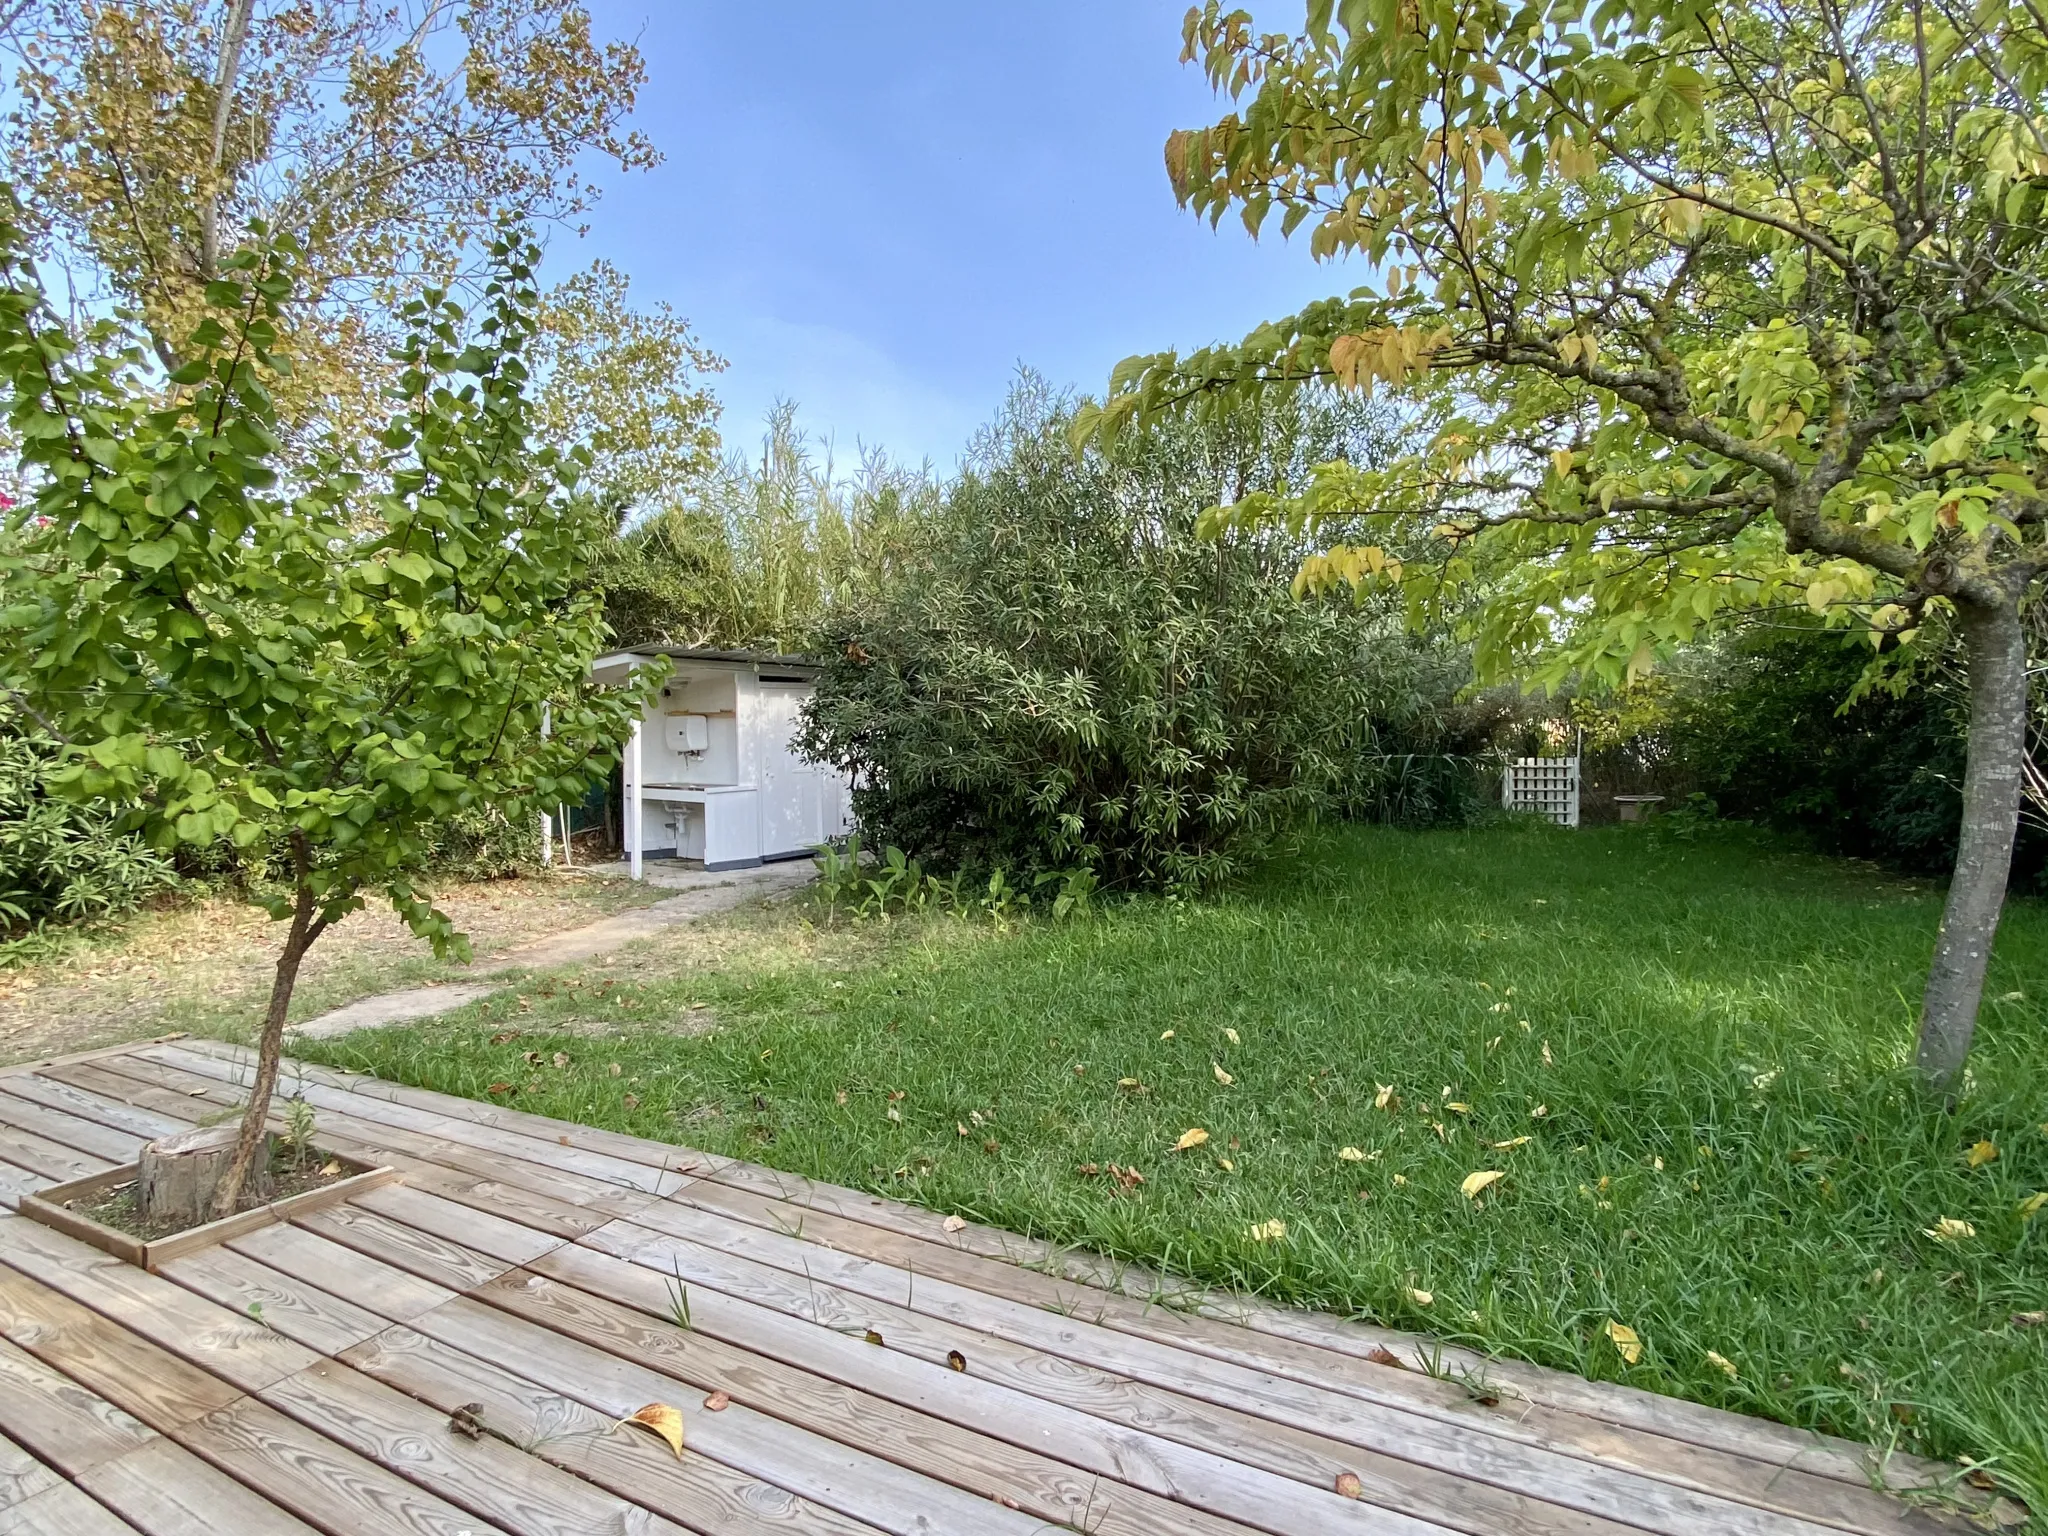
(180, 1174)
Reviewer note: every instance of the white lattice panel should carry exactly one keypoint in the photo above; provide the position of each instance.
(1549, 786)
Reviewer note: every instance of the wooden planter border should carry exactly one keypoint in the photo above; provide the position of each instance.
(52, 1207)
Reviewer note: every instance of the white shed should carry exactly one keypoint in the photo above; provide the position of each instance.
(712, 772)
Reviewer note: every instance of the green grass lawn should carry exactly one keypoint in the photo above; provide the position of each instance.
(1688, 1058)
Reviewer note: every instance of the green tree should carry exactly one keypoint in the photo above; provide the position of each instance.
(320, 667)
(1699, 309)
(626, 385)
(388, 141)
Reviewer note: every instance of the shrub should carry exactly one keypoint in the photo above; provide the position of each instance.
(61, 861)
(1056, 673)
(1761, 725)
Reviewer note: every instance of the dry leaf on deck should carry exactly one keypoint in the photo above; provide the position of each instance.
(1475, 1182)
(717, 1402)
(1627, 1342)
(956, 1360)
(665, 1421)
(1349, 1487)
(872, 1336)
(1379, 1354)
(954, 1224)
(1193, 1136)
(1982, 1153)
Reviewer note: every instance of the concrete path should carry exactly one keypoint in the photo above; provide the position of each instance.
(701, 895)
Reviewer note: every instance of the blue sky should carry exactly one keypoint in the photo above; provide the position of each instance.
(880, 210)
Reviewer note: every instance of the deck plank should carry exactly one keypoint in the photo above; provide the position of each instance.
(58, 1421)
(63, 1511)
(578, 1439)
(487, 1475)
(164, 1490)
(324, 1484)
(787, 1229)
(233, 1346)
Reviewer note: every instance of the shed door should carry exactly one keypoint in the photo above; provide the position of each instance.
(792, 798)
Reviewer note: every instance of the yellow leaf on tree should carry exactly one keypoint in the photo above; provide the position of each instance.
(1222, 1076)
(1476, 1182)
(1193, 1136)
(1982, 1153)
(1627, 1342)
(1722, 1363)
(665, 1421)
(1950, 1230)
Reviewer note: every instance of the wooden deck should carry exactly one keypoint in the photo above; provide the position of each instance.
(883, 1373)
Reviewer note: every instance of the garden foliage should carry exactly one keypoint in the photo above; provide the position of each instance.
(59, 860)
(1056, 673)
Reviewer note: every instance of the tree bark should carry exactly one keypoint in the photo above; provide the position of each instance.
(234, 35)
(254, 1135)
(180, 1175)
(1992, 780)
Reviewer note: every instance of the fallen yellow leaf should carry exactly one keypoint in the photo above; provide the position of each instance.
(1982, 1153)
(1400, 1178)
(1476, 1182)
(1269, 1231)
(665, 1421)
(1166, 1034)
(1459, 1109)
(1419, 1297)
(1350, 1155)
(1512, 1141)
(1231, 1036)
(954, 1224)
(1193, 1136)
(1722, 1363)
(1950, 1230)
(1385, 1099)
(1627, 1343)
(1222, 1076)
(1226, 1165)
(1547, 1060)
(1539, 1112)
(2031, 1206)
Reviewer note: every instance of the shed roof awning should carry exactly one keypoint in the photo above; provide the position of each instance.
(613, 663)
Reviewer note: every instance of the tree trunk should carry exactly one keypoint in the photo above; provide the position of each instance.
(1992, 779)
(180, 1176)
(254, 1135)
(234, 35)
